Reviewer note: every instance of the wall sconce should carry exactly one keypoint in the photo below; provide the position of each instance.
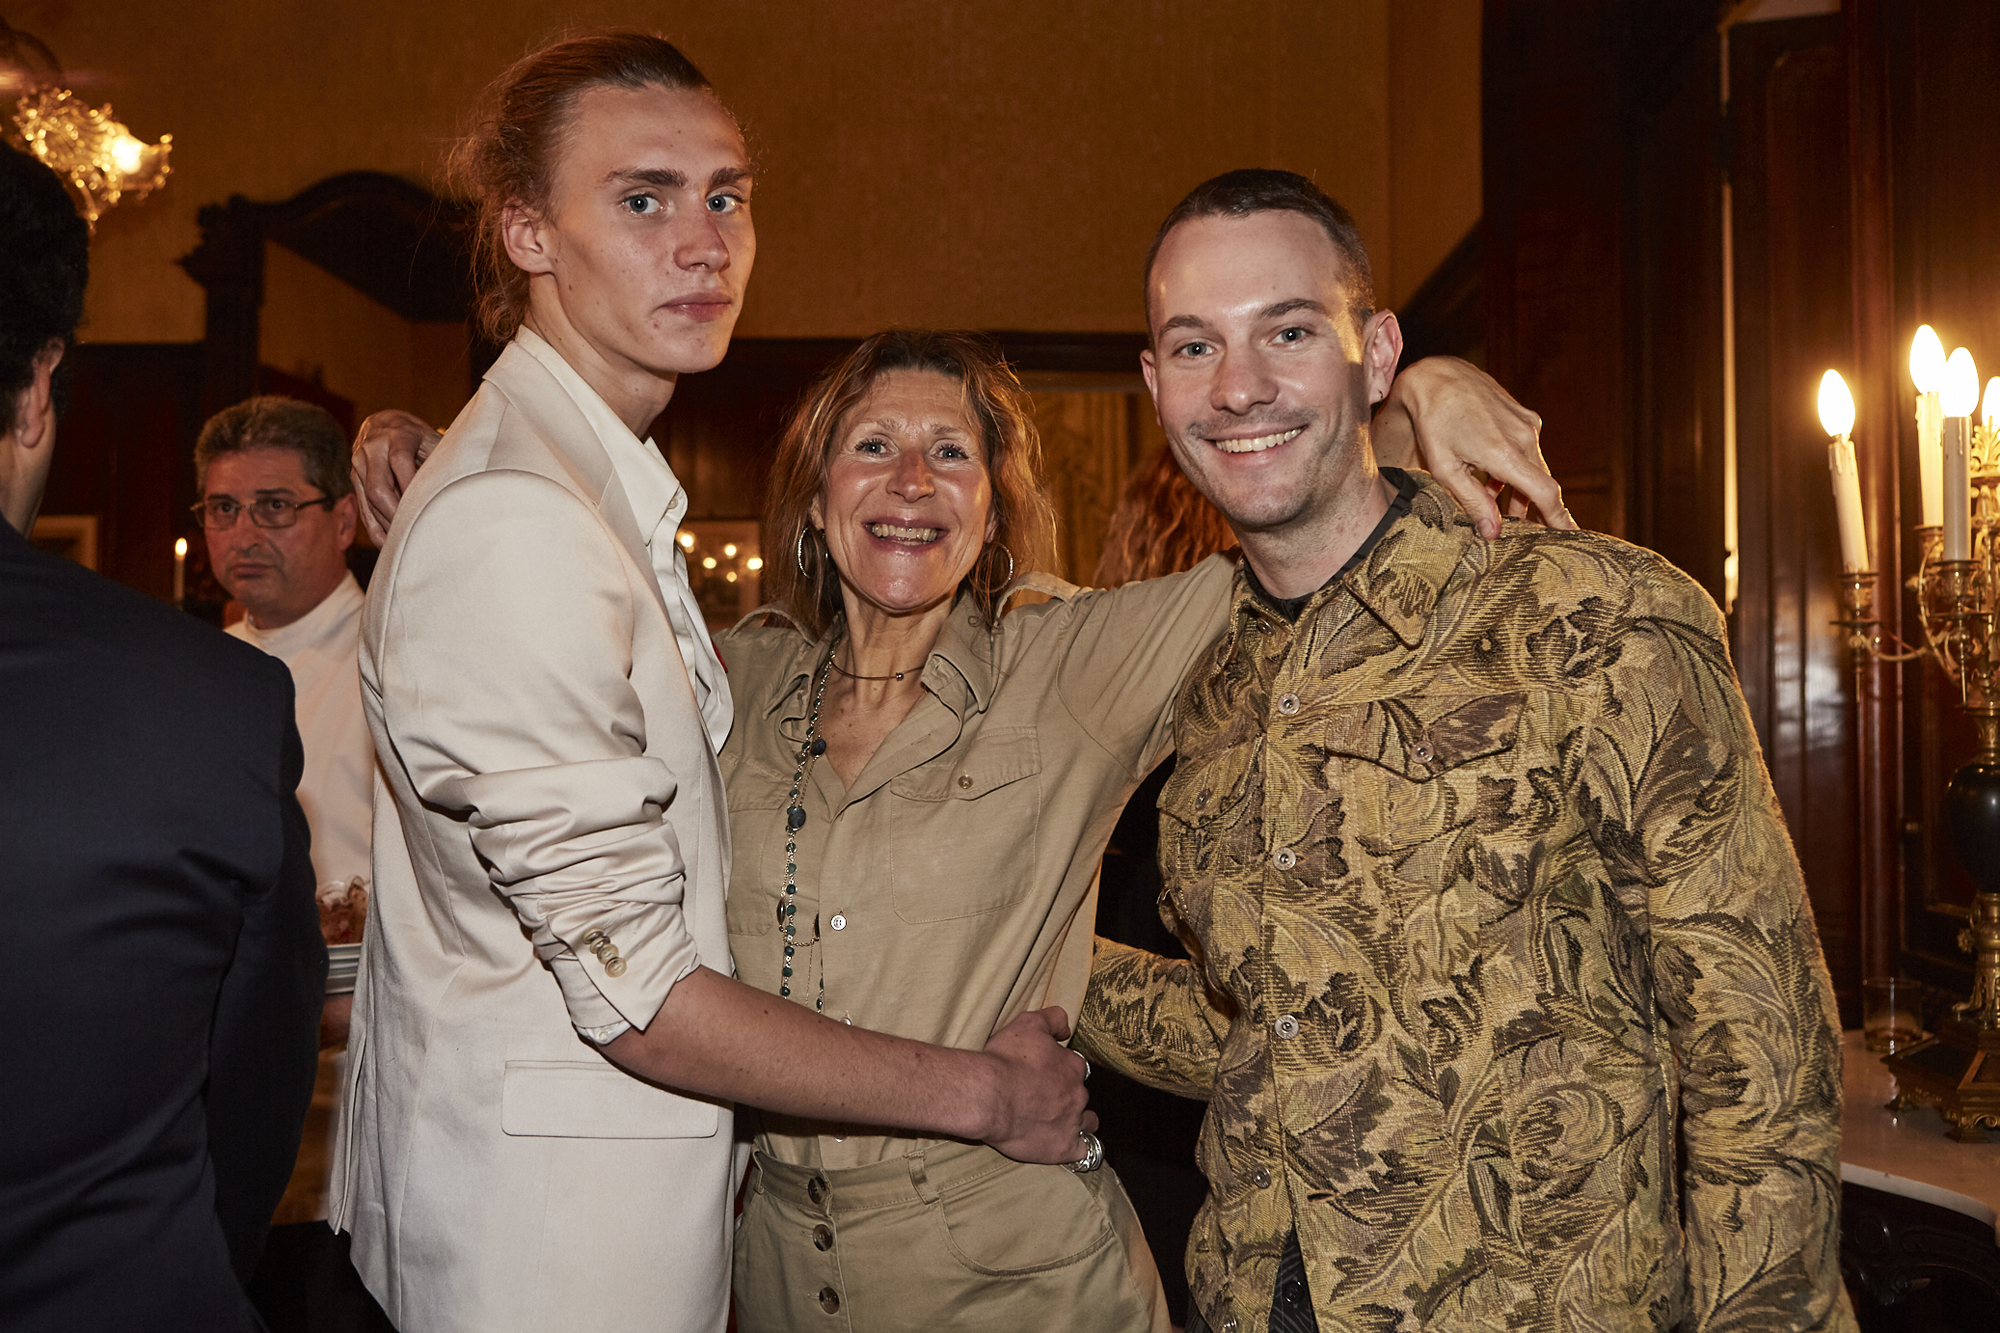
(102, 160)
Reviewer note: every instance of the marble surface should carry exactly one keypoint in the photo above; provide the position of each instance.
(1906, 1152)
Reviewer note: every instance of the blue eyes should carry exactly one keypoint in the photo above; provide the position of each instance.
(646, 205)
(1290, 336)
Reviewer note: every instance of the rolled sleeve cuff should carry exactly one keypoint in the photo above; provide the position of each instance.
(616, 967)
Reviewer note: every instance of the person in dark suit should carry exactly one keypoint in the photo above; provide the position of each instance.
(159, 1008)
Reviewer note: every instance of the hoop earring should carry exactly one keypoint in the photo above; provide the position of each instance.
(799, 551)
(1010, 565)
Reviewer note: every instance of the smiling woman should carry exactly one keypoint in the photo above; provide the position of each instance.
(933, 877)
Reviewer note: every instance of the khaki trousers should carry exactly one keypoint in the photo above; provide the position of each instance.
(953, 1236)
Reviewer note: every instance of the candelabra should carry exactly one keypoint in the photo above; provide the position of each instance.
(1958, 1070)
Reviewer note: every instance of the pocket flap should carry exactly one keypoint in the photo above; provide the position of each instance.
(1001, 755)
(579, 1099)
(1421, 738)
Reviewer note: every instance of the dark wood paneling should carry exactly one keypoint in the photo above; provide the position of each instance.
(1555, 311)
(1446, 316)
(390, 239)
(1878, 702)
(1794, 312)
(1673, 256)
(122, 453)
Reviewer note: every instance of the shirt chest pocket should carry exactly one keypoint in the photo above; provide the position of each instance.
(962, 835)
(757, 834)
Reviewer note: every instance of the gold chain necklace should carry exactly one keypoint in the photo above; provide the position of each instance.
(795, 819)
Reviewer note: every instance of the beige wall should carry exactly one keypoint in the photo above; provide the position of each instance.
(975, 163)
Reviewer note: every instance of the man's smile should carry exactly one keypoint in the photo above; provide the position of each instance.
(1258, 443)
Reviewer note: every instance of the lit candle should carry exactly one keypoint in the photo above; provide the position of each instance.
(1836, 414)
(1927, 370)
(1989, 407)
(1958, 398)
(180, 569)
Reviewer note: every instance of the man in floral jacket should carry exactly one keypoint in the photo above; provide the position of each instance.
(1508, 1002)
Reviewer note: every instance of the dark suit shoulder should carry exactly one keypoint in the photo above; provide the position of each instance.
(72, 626)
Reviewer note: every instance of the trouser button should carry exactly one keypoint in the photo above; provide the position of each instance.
(822, 1237)
(829, 1300)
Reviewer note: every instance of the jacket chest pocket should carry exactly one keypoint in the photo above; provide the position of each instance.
(962, 839)
(1437, 789)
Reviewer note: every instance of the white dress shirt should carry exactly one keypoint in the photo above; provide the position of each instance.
(659, 503)
(322, 648)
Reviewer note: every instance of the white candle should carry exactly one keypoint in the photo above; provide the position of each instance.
(1958, 398)
(1836, 415)
(180, 569)
(1927, 370)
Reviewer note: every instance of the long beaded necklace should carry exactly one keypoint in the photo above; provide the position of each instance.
(795, 819)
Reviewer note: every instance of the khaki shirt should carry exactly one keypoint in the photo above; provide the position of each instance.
(1531, 1027)
(954, 885)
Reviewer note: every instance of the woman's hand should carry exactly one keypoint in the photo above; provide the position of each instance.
(390, 448)
(1038, 1108)
(1468, 430)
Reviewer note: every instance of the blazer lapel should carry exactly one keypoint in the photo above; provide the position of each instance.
(568, 436)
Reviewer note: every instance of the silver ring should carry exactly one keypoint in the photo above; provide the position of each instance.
(1093, 1153)
(1086, 1064)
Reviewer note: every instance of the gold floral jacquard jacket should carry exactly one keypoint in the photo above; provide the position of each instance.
(1530, 1025)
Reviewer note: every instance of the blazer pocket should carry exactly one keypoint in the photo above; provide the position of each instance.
(575, 1099)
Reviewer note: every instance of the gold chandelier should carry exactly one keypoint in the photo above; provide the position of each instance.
(102, 160)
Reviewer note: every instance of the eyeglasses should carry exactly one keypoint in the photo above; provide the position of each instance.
(218, 512)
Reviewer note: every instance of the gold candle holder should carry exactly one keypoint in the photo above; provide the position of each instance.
(1958, 1070)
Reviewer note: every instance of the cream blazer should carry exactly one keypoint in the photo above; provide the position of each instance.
(550, 854)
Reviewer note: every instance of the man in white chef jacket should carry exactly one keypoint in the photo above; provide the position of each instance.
(278, 511)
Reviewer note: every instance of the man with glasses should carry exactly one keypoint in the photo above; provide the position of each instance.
(278, 511)
(164, 971)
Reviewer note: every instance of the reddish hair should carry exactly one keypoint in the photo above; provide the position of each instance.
(1162, 526)
(995, 403)
(508, 157)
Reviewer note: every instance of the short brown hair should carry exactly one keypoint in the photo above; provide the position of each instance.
(1263, 190)
(273, 422)
(508, 157)
(996, 402)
